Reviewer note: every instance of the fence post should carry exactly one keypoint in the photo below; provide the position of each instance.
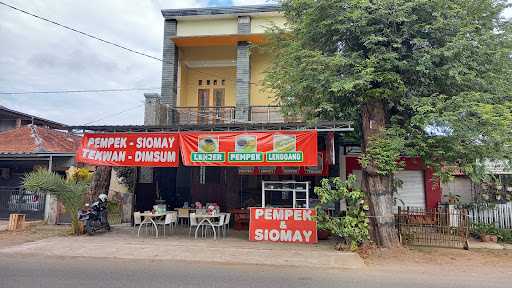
(399, 224)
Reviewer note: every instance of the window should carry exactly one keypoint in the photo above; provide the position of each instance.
(200, 82)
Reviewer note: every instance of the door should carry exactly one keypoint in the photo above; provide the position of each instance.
(412, 191)
(203, 101)
(218, 102)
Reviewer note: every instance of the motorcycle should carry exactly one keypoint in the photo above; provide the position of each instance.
(95, 216)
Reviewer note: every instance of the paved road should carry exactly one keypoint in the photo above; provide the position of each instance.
(36, 271)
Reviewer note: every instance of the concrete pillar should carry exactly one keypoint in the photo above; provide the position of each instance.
(153, 114)
(169, 66)
(243, 71)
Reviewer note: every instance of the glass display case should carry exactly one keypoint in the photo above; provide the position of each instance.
(285, 194)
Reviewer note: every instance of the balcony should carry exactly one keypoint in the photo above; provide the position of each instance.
(227, 114)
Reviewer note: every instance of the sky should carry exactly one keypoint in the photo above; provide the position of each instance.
(39, 56)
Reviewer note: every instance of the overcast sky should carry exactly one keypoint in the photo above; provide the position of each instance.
(38, 56)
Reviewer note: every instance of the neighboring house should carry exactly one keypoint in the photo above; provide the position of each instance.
(27, 148)
(10, 119)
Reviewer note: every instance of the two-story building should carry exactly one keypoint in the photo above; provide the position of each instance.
(213, 66)
(213, 69)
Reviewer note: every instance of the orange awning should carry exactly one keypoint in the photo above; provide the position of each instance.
(218, 40)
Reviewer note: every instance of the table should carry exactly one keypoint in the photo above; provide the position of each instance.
(206, 218)
(148, 219)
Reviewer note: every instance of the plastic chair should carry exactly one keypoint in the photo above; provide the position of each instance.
(137, 220)
(220, 224)
(201, 211)
(170, 218)
(193, 223)
(183, 214)
(226, 223)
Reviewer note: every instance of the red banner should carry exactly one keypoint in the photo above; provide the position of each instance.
(279, 148)
(322, 169)
(130, 149)
(283, 225)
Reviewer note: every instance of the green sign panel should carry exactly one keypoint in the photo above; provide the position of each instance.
(245, 157)
(207, 157)
(284, 156)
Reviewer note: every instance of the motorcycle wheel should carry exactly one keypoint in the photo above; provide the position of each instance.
(89, 230)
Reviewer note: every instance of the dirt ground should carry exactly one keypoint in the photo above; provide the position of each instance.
(33, 232)
(442, 260)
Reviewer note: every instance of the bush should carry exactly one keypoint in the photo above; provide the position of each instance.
(353, 227)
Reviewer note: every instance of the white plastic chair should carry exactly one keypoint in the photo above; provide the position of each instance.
(170, 218)
(226, 223)
(193, 223)
(201, 211)
(137, 220)
(220, 224)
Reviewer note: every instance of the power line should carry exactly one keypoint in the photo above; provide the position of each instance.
(81, 32)
(79, 91)
(103, 40)
(114, 114)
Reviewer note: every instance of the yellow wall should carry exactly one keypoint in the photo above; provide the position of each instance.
(190, 77)
(260, 24)
(207, 27)
(259, 63)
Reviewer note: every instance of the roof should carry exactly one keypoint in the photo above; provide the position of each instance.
(33, 139)
(219, 11)
(9, 113)
(320, 126)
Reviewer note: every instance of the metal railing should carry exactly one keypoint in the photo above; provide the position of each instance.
(203, 115)
(18, 200)
(443, 227)
(228, 114)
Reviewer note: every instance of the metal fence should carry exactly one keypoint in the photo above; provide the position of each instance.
(18, 200)
(442, 227)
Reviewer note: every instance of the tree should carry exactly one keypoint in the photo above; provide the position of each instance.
(427, 78)
(100, 182)
(70, 191)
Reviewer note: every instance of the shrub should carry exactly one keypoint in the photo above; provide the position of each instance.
(353, 227)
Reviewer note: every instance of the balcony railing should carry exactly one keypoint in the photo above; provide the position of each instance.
(227, 114)
(204, 115)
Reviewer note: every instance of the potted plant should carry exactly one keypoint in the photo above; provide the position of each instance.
(452, 198)
(486, 232)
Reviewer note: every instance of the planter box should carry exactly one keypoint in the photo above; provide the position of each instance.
(488, 238)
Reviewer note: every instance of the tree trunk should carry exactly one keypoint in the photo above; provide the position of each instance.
(100, 183)
(378, 187)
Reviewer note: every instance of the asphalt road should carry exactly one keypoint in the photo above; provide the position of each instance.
(36, 271)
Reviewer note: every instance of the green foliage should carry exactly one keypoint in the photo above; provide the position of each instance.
(504, 235)
(70, 192)
(127, 175)
(353, 227)
(383, 152)
(484, 229)
(441, 68)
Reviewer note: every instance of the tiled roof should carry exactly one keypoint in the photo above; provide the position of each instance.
(34, 139)
(38, 120)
